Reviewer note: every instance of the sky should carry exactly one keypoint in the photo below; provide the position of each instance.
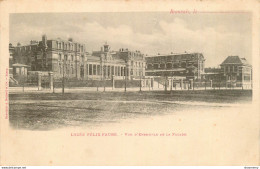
(215, 35)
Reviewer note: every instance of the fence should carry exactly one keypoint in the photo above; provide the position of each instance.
(46, 81)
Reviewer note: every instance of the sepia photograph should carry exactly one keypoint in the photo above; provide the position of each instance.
(90, 69)
(169, 87)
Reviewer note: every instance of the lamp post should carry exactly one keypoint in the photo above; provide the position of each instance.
(104, 76)
(125, 74)
(63, 76)
(140, 81)
(193, 85)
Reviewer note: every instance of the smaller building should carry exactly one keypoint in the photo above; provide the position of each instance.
(237, 72)
(20, 69)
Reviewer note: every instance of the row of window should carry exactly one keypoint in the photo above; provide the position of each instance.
(25, 48)
(96, 70)
(67, 69)
(137, 64)
(70, 57)
(245, 78)
(171, 58)
(73, 47)
(135, 54)
(170, 65)
(107, 70)
(230, 69)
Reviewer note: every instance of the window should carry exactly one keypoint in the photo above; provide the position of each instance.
(67, 69)
(112, 70)
(98, 69)
(162, 65)
(169, 65)
(122, 71)
(183, 64)
(150, 66)
(72, 57)
(175, 65)
(169, 58)
(247, 78)
(94, 69)
(90, 69)
(235, 68)
(59, 57)
(82, 58)
(116, 72)
(108, 70)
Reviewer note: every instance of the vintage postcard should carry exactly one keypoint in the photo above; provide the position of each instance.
(129, 83)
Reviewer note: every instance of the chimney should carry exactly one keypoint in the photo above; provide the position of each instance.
(70, 39)
(18, 44)
(44, 40)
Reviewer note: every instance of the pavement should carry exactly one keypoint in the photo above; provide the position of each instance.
(101, 89)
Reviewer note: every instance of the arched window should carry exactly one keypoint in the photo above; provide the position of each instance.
(169, 65)
(82, 58)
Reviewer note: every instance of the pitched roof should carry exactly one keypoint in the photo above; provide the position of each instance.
(93, 58)
(235, 60)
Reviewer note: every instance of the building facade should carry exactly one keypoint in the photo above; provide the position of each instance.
(105, 64)
(62, 57)
(11, 59)
(237, 72)
(214, 74)
(188, 65)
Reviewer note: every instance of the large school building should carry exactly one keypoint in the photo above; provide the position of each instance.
(66, 58)
(70, 59)
(105, 64)
(187, 65)
(58, 56)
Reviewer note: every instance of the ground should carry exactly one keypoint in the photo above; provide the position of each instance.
(211, 128)
(46, 111)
